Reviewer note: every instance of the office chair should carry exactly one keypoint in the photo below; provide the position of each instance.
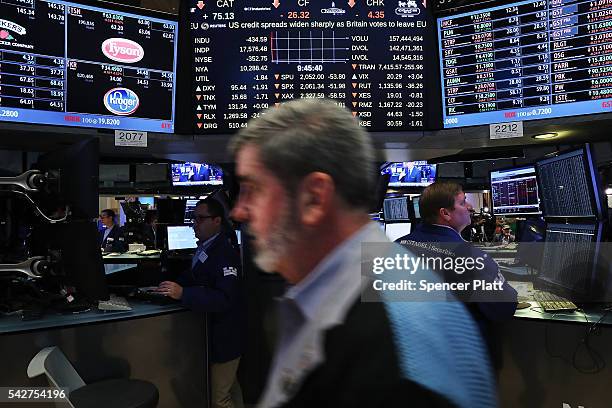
(116, 393)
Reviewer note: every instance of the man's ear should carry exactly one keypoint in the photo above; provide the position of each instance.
(315, 198)
(444, 214)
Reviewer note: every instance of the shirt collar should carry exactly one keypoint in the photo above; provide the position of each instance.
(450, 228)
(206, 244)
(328, 276)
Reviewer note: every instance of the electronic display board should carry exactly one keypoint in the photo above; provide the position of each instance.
(526, 60)
(515, 191)
(373, 57)
(63, 63)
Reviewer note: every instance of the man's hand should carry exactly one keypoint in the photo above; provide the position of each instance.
(171, 289)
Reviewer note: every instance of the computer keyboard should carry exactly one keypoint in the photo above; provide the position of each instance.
(149, 252)
(553, 303)
(115, 303)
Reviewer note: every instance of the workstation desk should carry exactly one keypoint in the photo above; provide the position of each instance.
(145, 270)
(165, 345)
(552, 359)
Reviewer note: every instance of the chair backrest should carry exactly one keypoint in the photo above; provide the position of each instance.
(54, 364)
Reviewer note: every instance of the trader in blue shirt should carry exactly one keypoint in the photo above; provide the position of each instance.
(445, 213)
(213, 286)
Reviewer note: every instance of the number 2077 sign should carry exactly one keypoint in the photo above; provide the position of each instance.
(130, 138)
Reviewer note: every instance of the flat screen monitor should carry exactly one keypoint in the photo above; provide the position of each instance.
(410, 174)
(569, 260)
(396, 209)
(70, 64)
(569, 185)
(73, 174)
(196, 174)
(181, 237)
(150, 201)
(416, 208)
(151, 173)
(114, 173)
(534, 59)
(397, 230)
(515, 191)
(189, 207)
(374, 58)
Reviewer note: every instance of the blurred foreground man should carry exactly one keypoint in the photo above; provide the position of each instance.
(306, 175)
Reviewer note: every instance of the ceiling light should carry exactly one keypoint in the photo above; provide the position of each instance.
(544, 136)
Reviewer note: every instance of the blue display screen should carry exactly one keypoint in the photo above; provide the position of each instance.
(67, 64)
(526, 60)
(195, 174)
(410, 174)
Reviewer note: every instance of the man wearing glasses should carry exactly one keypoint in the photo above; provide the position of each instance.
(212, 285)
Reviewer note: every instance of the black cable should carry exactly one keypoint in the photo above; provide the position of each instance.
(597, 361)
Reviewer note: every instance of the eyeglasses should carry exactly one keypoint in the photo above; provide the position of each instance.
(200, 218)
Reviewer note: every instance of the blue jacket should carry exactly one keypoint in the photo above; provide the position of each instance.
(214, 287)
(119, 243)
(505, 306)
(484, 312)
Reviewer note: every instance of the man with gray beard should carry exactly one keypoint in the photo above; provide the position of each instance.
(306, 172)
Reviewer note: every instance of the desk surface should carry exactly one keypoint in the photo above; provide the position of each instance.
(13, 323)
(126, 258)
(593, 314)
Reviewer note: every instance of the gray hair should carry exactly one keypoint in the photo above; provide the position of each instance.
(310, 135)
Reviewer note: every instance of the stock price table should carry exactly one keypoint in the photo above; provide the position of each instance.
(369, 56)
(67, 64)
(526, 60)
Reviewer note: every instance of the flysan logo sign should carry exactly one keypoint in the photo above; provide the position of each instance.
(121, 101)
(122, 50)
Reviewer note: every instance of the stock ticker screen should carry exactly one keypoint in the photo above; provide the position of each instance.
(526, 60)
(67, 64)
(372, 57)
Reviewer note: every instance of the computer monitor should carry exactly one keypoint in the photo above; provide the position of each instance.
(171, 211)
(75, 247)
(416, 208)
(74, 173)
(150, 201)
(397, 230)
(569, 185)
(410, 174)
(396, 209)
(569, 261)
(514, 191)
(196, 174)
(181, 237)
(151, 173)
(189, 207)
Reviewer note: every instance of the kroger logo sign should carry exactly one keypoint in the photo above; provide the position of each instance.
(121, 101)
(122, 50)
